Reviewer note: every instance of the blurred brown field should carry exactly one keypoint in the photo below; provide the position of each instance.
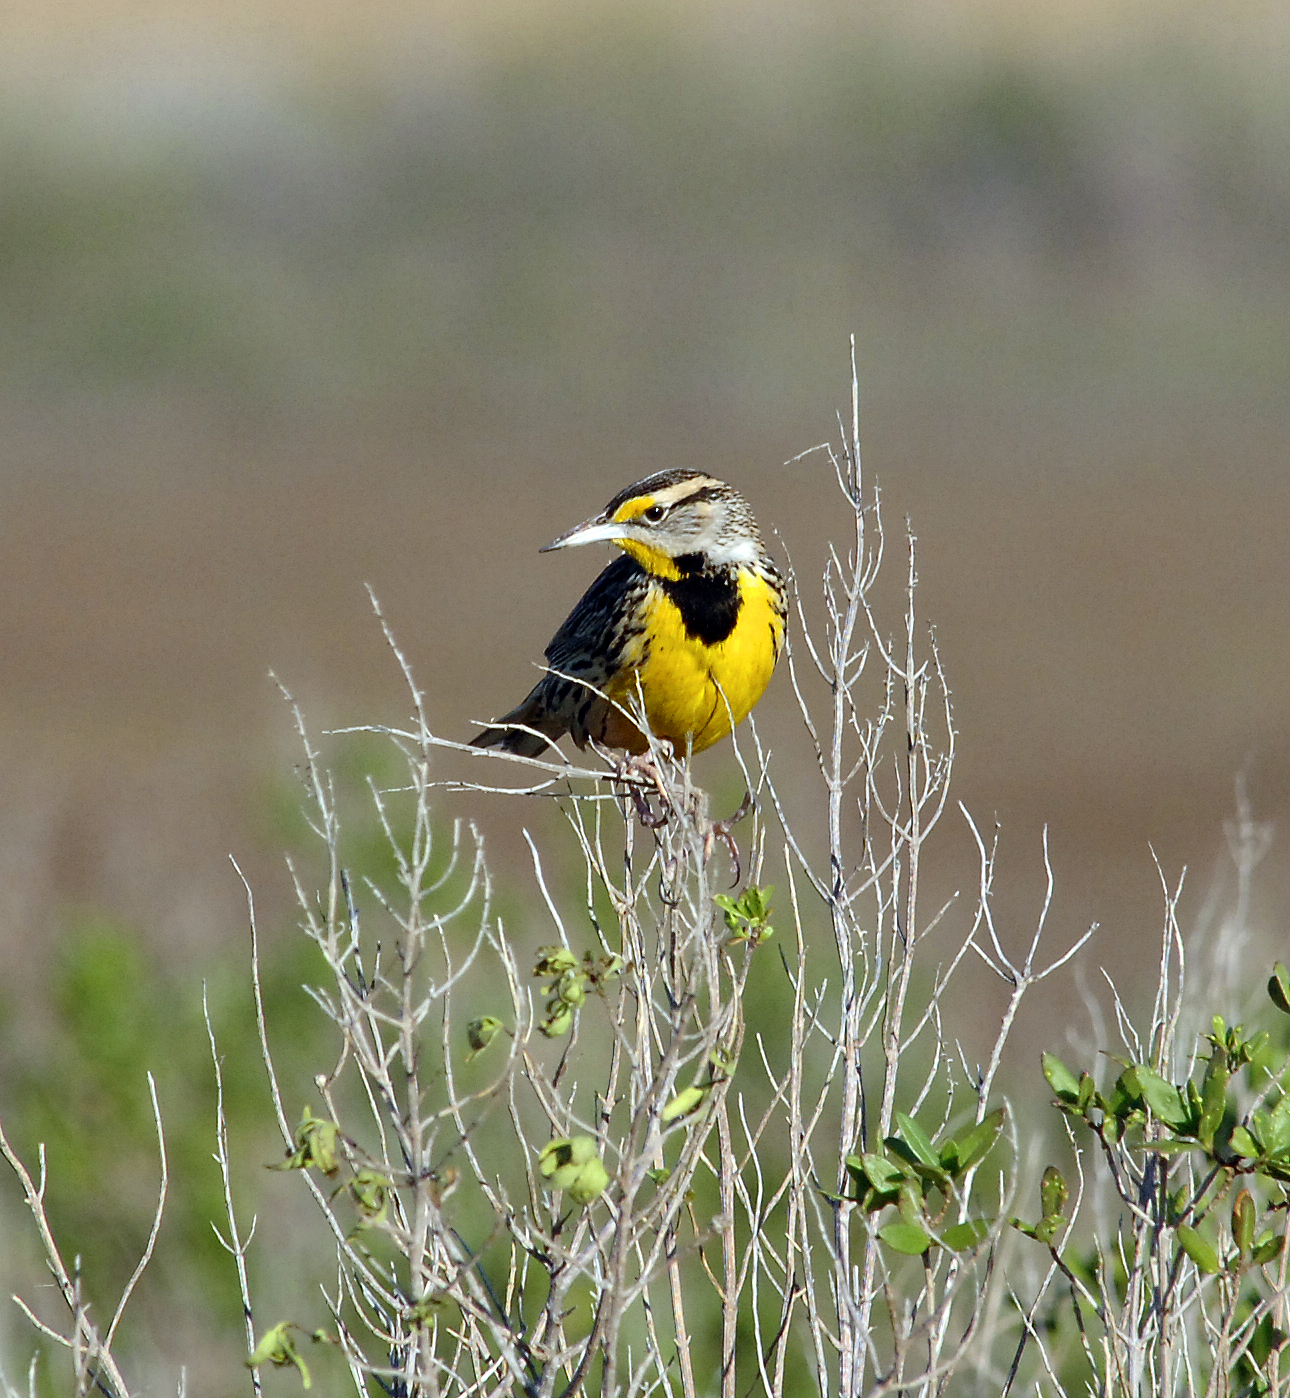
(298, 299)
(277, 325)
(1110, 637)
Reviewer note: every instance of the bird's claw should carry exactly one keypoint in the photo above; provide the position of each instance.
(636, 772)
(639, 775)
(722, 830)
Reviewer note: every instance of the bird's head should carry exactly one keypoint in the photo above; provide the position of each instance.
(673, 523)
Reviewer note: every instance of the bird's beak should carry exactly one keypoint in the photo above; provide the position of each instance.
(592, 531)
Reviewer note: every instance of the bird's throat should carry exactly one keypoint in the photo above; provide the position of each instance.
(657, 564)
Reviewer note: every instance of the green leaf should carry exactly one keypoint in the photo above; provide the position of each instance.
(1128, 1083)
(1163, 1098)
(1060, 1078)
(757, 901)
(1049, 1226)
(909, 1201)
(748, 917)
(877, 1180)
(1279, 987)
(908, 1238)
(959, 1237)
(370, 1191)
(1244, 1144)
(1243, 1221)
(1086, 1092)
(1195, 1103)
(590, 1183)
(685, 1101)
(1170, 1147)
(880, 1172)
(1267, 1249)
(1053, 1191)
(1201, 1252)
(1213, 1098)
(1122, 1098)
(974, 1144)
(918, 1141)
(558, 1021)
(873, 1200)
(596, 971)
(571, 989)
(1276, 1135)
(572, 1164)
(565, 1153)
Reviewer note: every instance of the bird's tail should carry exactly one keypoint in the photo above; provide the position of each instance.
(532, 715)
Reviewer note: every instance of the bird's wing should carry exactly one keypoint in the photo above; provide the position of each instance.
(584, 654)
(590, 642)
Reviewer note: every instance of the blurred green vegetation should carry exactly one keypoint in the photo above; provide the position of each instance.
(628, 221)
(115, 1015)
(118, 1014)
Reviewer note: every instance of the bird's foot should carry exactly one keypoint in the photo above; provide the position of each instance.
(643, 780)
(723, 830)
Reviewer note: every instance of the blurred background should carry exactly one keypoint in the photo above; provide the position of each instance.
(297, 297)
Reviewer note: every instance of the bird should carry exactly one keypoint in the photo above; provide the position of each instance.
(687, 625)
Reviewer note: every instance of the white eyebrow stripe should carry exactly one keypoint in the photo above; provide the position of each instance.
(683, 490)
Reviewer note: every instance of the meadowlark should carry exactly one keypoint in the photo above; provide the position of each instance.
(689, 623)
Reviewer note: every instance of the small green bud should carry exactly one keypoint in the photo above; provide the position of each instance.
(554, 961)
(370, 1191)
(278, 1347)
(558, 1019)
(481, 1032)
(572, 1164)
(317, 1144)
(572, 989)
(425, 1309)
(591, 1183)
(685, 1101)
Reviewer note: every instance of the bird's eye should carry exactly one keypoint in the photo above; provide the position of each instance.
(653, 514)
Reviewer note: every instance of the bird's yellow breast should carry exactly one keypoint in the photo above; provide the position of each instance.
(693, 689)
